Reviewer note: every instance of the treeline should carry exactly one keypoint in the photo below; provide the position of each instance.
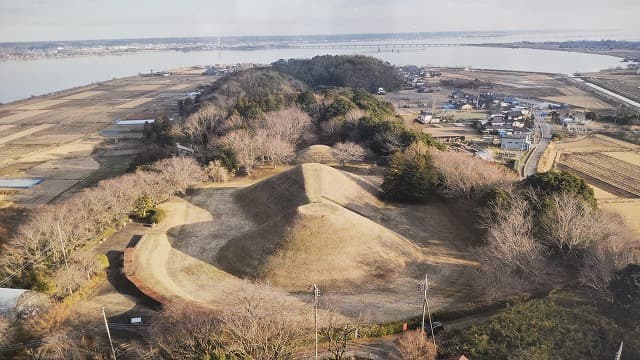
(356, 71)
(546, 230)
(45, 253)
(355, 115)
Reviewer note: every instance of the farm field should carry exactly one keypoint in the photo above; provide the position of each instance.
(611, 167)
(56, 136)
(309, 224)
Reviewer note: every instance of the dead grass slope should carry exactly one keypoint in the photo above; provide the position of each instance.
(312, 226)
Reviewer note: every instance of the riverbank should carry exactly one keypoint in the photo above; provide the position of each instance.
(622, 53)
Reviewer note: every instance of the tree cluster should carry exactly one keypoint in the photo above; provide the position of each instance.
(537, 235)
(411, 175)
(272, 139)
(354, 71)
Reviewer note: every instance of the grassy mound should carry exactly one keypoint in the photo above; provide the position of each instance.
(321, 154)
(313, 226)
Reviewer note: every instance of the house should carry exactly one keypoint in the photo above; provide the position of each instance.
(514, 115)
(516, 142)
(425, 117)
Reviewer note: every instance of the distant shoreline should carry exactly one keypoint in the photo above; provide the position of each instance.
(619, 53)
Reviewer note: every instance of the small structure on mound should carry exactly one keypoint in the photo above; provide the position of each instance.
(321, 154)
(313, 226)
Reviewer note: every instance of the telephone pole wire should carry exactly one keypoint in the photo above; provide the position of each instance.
(106, 325)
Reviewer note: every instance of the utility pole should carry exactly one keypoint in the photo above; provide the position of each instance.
(425, 308)
(619, 353)
(316, 293)
(106, 325)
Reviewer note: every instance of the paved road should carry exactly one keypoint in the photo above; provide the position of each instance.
(544, 132)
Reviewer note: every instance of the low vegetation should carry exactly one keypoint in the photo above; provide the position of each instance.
(539, 329)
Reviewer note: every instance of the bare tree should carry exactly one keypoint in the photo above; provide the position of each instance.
(287, 124)
(187, 332)
(464, 175)
(348, 152)
(570, 226)
(249, 332)
(178, 173)
(513, 259)
(330, 127)
(604, 258)
(413, 345)
(217, 172)
(245, 147)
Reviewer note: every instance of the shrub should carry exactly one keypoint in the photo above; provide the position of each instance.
(216, 172)
(554, 182)
(158, 216)
(103, 260)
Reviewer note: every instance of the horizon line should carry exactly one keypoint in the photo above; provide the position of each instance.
(313, 35)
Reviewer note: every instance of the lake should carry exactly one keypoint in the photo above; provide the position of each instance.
(22, 79)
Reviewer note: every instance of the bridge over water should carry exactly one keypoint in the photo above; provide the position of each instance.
(376, 46)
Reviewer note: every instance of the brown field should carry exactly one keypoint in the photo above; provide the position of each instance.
(40, 105)
(64, 154)
(630, 157)
(595, 143)
(610, 174)
(23, 133)
(145, 87)
(310, 224)
(134, 103)
(612, 168)
(580, 101)
(6, 127)
(179, 87)
(83, 95)
(14, 118)
(628, 209)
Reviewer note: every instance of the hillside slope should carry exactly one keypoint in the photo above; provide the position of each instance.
(313, 226)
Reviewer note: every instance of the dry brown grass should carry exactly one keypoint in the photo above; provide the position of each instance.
(595, 143)
(134, 103)
(309, 213)
(321, 154)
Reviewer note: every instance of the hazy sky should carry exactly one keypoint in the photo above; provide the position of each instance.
(26, 20)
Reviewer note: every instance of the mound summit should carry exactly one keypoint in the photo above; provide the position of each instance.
(313, 225)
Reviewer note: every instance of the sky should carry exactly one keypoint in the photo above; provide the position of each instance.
(39, 20)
